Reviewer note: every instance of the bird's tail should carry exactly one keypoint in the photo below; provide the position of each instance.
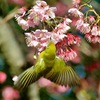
(25, 79)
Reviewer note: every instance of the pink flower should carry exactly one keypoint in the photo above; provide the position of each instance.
(9, 93)
(79, 23)
(85, 28)
(21, 13)
(88, 36)
(76, 2)
(33, 19)
(38, 38)
(92, 38)
(94, 30)
(57, 37)
(91, 19)
(23, 23)
(44, 10)
(64, 51)
(75, 12)
(94, 35)
(61, 28)
(41, 5)
(67, 55)
(67, 21)
(70, 39)
(3, 77)
(82, 27)
(50, 12)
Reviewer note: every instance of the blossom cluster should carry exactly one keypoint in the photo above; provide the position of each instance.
(47, 26)
(38, 13)
(86, 25)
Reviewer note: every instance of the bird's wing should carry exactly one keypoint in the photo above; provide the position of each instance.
(26, 78)
(62, 74)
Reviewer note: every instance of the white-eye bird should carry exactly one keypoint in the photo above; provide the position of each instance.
(49, 66)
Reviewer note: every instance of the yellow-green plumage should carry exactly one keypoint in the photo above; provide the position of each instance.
(49, 66)
(62, 74)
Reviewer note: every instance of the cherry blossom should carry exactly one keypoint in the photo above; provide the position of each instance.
(94, 30)
(23, 23)
(61, 28)
(39, 38)
(64, 50)
(75, 12)
(8, 93)
(91, 19)
(76, 2)
(3, 77)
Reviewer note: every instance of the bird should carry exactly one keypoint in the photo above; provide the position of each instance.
(49, 66)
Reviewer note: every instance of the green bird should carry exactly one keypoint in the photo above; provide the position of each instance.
(48, 66)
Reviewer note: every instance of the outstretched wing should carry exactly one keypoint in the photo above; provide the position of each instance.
(62, 74)
(25, 79)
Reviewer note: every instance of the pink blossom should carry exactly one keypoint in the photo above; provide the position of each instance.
(67, 21)
(33, 19)
(57, 37)
(79, 23)
(85, 28)
(98, 31)
(21, 13)
(82, 27)
(50, 12)
(31, 40)
(91, 19)
(61, 28)
(76, 2)
(9, 93)
(98, 39)
(92, 38)
(3, 77)
(23, 23)
(70, 39)
(75, 12)
(41, 5)
(38, 38)
(88, 36)
(44, 10)
(77, 40)
(68, 55)
(94, 35)
(64, 51)
(94, 30)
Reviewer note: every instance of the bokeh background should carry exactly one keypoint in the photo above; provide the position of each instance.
(15, 57)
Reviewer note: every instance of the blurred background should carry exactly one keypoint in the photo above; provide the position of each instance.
(15, 57)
